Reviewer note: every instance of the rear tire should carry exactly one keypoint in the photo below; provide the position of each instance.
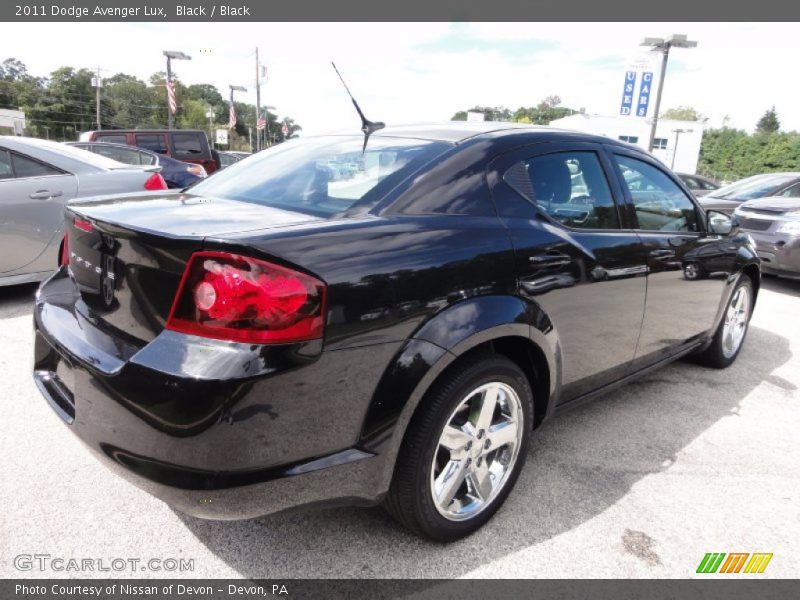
(463, 450)
(731, 332)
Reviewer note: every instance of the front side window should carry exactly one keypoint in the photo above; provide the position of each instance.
(570, 187)
(152, 142)
(659, 202)
(321, 176)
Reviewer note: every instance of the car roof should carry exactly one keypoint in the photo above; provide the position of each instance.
(456, 132)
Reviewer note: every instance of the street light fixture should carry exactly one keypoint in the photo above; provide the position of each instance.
(677, 133)
(177, 55)
(677, 40)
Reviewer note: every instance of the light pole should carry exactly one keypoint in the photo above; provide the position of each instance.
(171, 101)
(677, 40)
(266, 122)
(97, 82)
(235, 88)
(677, 133)
(210, 116)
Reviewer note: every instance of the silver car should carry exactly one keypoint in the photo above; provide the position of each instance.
(774, 224)
(37, 177)
(728, 197)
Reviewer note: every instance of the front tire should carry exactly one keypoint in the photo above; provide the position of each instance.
(463, 450)
(729, 337)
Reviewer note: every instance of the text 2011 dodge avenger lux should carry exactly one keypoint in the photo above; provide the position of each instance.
(326, 323)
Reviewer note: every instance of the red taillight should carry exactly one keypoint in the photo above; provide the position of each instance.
(83, 225)
(64, 259)
(155, 182)
(242, 299)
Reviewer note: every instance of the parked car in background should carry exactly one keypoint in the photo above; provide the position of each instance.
(728, 197)
(177, 174)
(276, 337)
(697, 184)
(226, 158)
(185, 145)
(37, 178)
(774, 224)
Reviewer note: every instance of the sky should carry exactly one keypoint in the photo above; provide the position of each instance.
(418, 72)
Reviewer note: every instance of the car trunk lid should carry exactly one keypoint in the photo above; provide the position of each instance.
(127, 255)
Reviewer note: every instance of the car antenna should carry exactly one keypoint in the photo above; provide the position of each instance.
(367, 126)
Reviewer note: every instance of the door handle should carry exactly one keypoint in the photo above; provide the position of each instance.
(44, 195)
(663, 253)
(550, 259)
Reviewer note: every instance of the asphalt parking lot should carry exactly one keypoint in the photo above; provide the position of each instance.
(641, 483)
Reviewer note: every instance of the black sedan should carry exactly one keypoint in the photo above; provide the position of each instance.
(325, 323)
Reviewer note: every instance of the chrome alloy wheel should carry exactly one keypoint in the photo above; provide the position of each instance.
(735, 325)
(477, 451)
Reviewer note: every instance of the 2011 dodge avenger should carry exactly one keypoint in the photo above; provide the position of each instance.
(379, 319)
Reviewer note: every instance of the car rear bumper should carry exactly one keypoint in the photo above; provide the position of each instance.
(216, 429)
(779, 253)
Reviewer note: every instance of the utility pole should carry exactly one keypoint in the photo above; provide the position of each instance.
(677, 40)
(258, 101)
(97, 82)
(210, 115)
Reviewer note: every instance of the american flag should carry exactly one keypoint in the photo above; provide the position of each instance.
(262, 122)
(232, 116)
(173, 102)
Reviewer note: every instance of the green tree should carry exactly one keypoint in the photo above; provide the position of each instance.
(130, 101)
(683, 113)
(496, 113)
(768, 123)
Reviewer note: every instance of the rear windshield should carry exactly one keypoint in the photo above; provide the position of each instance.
(757, 186)
(86, 156)
(321, 176)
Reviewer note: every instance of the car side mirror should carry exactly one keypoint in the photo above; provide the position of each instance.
(719, 223)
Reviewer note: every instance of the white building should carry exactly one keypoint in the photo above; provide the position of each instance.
(676, 144)
(12, 122)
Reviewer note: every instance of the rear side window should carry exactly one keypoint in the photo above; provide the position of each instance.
(708, 185)
(152, 142)
(113, 138)
(660, 204)
(570, 187)
(123, 155)
(187, 145)
(691, 183)
(6, 170)
(26, 167)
